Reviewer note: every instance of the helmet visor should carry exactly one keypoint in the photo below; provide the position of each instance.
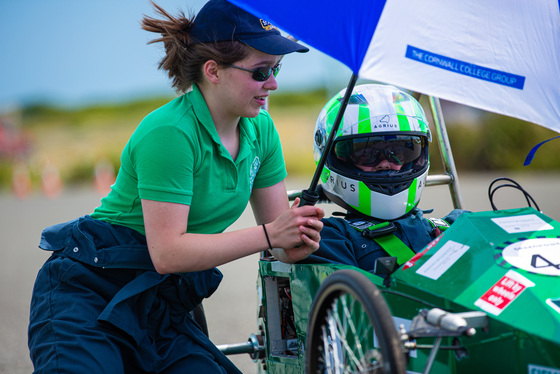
(372, 150)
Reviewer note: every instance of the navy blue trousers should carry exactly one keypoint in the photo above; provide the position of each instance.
(94, 311)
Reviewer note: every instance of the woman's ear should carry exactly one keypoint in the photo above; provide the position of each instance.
(211, 70)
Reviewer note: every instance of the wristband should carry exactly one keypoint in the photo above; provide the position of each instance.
(267, 238)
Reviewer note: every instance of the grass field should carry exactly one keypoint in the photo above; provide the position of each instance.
(73, 141)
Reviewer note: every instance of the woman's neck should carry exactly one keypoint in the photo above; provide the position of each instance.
(227, 125)
(231, 142)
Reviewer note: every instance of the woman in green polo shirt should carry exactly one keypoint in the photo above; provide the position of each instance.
(115, 294)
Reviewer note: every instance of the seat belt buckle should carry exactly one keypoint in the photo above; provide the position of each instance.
(380, 229)
(438, 226)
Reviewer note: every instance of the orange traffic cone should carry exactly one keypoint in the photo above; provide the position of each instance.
(51, 183)
(21, 181)
(104, 176)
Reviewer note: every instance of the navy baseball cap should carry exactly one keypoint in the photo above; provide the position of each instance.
(219, 20)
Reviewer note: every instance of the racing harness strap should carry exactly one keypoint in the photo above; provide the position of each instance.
(383, 234)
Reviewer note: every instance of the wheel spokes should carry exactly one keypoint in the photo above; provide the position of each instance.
(348, 339)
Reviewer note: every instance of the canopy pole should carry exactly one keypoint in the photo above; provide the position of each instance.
(310, 196)
(445, 150)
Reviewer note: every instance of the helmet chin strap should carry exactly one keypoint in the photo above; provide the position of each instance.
(310, 196)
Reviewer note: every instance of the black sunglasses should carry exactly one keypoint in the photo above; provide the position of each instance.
(263, 73)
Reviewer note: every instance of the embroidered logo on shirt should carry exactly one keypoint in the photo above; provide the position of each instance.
(253, 172)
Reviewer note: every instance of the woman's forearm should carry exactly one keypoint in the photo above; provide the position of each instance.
(193, 252)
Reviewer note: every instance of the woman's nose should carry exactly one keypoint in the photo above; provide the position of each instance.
(271, 84)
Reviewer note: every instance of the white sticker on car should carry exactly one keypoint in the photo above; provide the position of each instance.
(537, 255)
(523, 223)
(442, 260)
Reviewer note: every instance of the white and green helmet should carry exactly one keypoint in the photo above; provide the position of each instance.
(386, 124)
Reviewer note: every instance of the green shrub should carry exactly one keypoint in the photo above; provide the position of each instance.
(502, 143)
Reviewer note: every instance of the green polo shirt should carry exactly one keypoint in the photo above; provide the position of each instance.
(175, 155)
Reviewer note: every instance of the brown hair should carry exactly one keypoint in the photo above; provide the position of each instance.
(184, 57)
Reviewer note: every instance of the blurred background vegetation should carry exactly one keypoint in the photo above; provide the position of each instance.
(74, 142)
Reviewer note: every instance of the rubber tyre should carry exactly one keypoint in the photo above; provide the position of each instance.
(346, 312)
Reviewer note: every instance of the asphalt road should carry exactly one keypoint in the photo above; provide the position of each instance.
(231, 311)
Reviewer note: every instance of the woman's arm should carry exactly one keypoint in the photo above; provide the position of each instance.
(172, 250)
(268, 204)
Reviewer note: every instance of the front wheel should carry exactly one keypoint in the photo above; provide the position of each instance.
(351, 329)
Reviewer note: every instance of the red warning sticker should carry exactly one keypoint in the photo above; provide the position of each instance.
(503, 292)
(410, 263)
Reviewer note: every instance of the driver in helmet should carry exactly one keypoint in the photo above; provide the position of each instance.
(376, 170)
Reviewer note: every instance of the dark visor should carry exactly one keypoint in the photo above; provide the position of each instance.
(371, 150)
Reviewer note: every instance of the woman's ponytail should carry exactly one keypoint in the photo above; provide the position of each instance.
(185, 58)
(175, 35)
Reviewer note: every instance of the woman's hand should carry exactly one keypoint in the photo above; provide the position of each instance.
(295, 234)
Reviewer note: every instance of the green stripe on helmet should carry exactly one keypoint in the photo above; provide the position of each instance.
(364, 199)
(325, 174)
(418, 110)
(404, 124)
(423, 126)
(420, 116)
(364, 120)
(332, 108)
(412, 190)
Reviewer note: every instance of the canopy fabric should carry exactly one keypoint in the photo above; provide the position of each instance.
(501, 56)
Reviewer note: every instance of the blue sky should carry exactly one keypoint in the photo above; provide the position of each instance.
(76, 52)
